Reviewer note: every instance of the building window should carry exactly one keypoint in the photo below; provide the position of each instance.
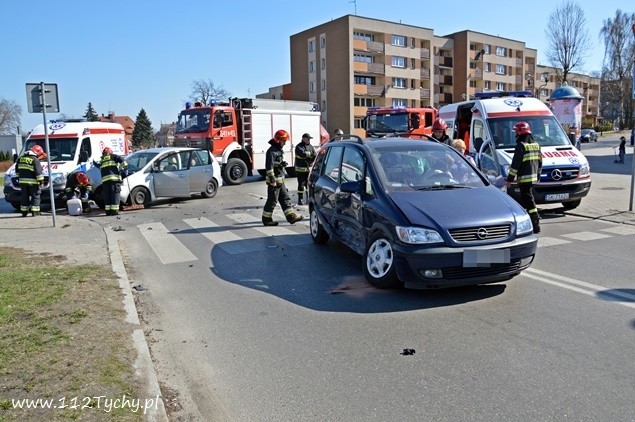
(501, 51)
(322, 42)
(364, 102)
(500, 69)
(399, 102)
(323, 64)
(363, 36)
(398, 61)
(323, 84)
(472, 65)
(311, 67)
(323, 105)
(311, 46)
(399, 40)
(472, 84)
(488, 85)
(311, 87)
(363, 58)
(357, 123)
(364, 80)
(500, 86)
(413, 63)
(398, 82)
(488, 67)
(487, 48)
(412, 42)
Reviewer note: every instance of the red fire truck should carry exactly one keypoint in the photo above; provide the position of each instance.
(403, 121)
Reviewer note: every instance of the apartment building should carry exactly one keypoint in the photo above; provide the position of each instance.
(352, 63)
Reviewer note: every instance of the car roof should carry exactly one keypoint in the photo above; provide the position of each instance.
(396, 142)
(160, 150)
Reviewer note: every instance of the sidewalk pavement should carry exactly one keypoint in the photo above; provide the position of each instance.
(84, 239)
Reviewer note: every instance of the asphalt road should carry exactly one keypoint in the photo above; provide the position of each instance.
(247, 324)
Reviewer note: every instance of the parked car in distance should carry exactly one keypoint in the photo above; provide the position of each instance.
(588, 135)
(169, 173)
(419, 213)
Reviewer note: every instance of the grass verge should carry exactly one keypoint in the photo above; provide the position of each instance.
(64, 341)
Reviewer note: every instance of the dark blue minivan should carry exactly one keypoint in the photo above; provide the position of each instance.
(420, 214)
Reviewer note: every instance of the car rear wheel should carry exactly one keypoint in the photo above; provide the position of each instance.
(572, 204)
(140, 196)
(318, 234)
(235, 171)
(211, 189)
(379, 262)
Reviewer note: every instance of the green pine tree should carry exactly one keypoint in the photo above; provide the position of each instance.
(143, 134)
(91, 115)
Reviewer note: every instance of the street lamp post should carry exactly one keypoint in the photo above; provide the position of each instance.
(630, 203)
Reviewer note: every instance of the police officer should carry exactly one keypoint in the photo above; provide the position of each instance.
(525, 169)
(30, 180)
(439, 126)
(304, 156)
(111, 179)
(78, 184)
(276, 189)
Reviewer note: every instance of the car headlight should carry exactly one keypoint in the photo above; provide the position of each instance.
(585, 170)
(7, 179)
(523, 225)
(58, 178)
(418, 236)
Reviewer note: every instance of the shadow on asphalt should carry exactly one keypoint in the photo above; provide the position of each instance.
(333, 280)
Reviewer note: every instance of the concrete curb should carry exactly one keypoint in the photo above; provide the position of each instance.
(143, 364)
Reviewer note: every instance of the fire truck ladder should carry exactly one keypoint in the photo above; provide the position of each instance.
(245, 126)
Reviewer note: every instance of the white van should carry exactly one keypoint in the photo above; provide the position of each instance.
(73, 145)
(487, 122)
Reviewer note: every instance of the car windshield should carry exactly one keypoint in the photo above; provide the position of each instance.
(387, 123)
(62, 149)
(416, 167)
(545, 130)
(137, 160)
(193, 121)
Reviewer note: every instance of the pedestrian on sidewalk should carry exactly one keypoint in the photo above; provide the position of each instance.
(525, 170)
(276, 189)
(622, 150)
(30, 178)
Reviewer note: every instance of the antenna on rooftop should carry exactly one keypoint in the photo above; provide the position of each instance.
(355, 4)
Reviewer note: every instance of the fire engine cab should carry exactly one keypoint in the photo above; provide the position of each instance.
(487, 123)
(402, 121)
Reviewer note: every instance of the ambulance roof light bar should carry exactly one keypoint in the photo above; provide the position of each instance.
(501, 94)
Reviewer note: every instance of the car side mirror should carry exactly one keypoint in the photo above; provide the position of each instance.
(15, 157)
(351, 187)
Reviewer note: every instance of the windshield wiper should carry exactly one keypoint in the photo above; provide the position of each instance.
(444, 187)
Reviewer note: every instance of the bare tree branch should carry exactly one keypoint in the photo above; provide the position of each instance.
(204, 91)
(10, 117)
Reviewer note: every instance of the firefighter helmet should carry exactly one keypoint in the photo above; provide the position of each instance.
(81, 178)
(522, 128)
(439, 124)
(107, 151)
(281, 136)
(37, 150)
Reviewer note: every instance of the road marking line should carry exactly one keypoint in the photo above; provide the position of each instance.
(583, 287)
(165, 245)
(584, 236)
(551, 241)
(283, 234)
(221, 237)
(623, 230)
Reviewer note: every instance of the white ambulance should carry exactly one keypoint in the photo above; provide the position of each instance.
(486, 124)
(74, 145)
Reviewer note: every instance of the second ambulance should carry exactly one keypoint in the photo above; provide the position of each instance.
(486, 124)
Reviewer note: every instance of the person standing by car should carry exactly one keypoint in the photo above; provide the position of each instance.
(78, 184)
(622, 150)
(111, 179)
(304, 156)
(30, 179)
(525, 170)
(276, 189)
(438, 131)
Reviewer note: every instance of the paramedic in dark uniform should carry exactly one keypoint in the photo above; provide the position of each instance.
(30, 179)
(111, 179)
(304, 156)
(276, 189)
(525, 170)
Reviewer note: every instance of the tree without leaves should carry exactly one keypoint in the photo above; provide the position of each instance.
(619, 59)
(10, 117)
(204, 91)
(568, 38)
(143, 134)
(91, 115)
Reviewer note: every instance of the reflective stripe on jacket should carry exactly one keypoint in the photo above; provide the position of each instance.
(109, 167)
(29, 170)
(304, 155)
(526, 164)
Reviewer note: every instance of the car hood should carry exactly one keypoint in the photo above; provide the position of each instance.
(457, 207)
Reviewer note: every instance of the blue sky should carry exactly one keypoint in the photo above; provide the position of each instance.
(126, 55)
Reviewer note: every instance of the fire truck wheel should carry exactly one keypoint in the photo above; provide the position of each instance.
(211, 189)
(235, 171)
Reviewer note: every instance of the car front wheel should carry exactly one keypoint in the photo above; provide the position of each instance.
(140, 196)
(379, 263)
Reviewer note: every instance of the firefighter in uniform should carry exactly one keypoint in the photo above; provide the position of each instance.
(439, 126)
(525, 170)
(30, 180)
(78, 185)
(111, 179)
(276, 189)
(304, 156)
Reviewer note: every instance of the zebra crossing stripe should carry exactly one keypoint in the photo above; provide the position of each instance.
(168, 248)
(284, 235)
(221, 237)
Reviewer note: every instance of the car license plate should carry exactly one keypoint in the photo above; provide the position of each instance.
(484, 258)
(556, 196)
